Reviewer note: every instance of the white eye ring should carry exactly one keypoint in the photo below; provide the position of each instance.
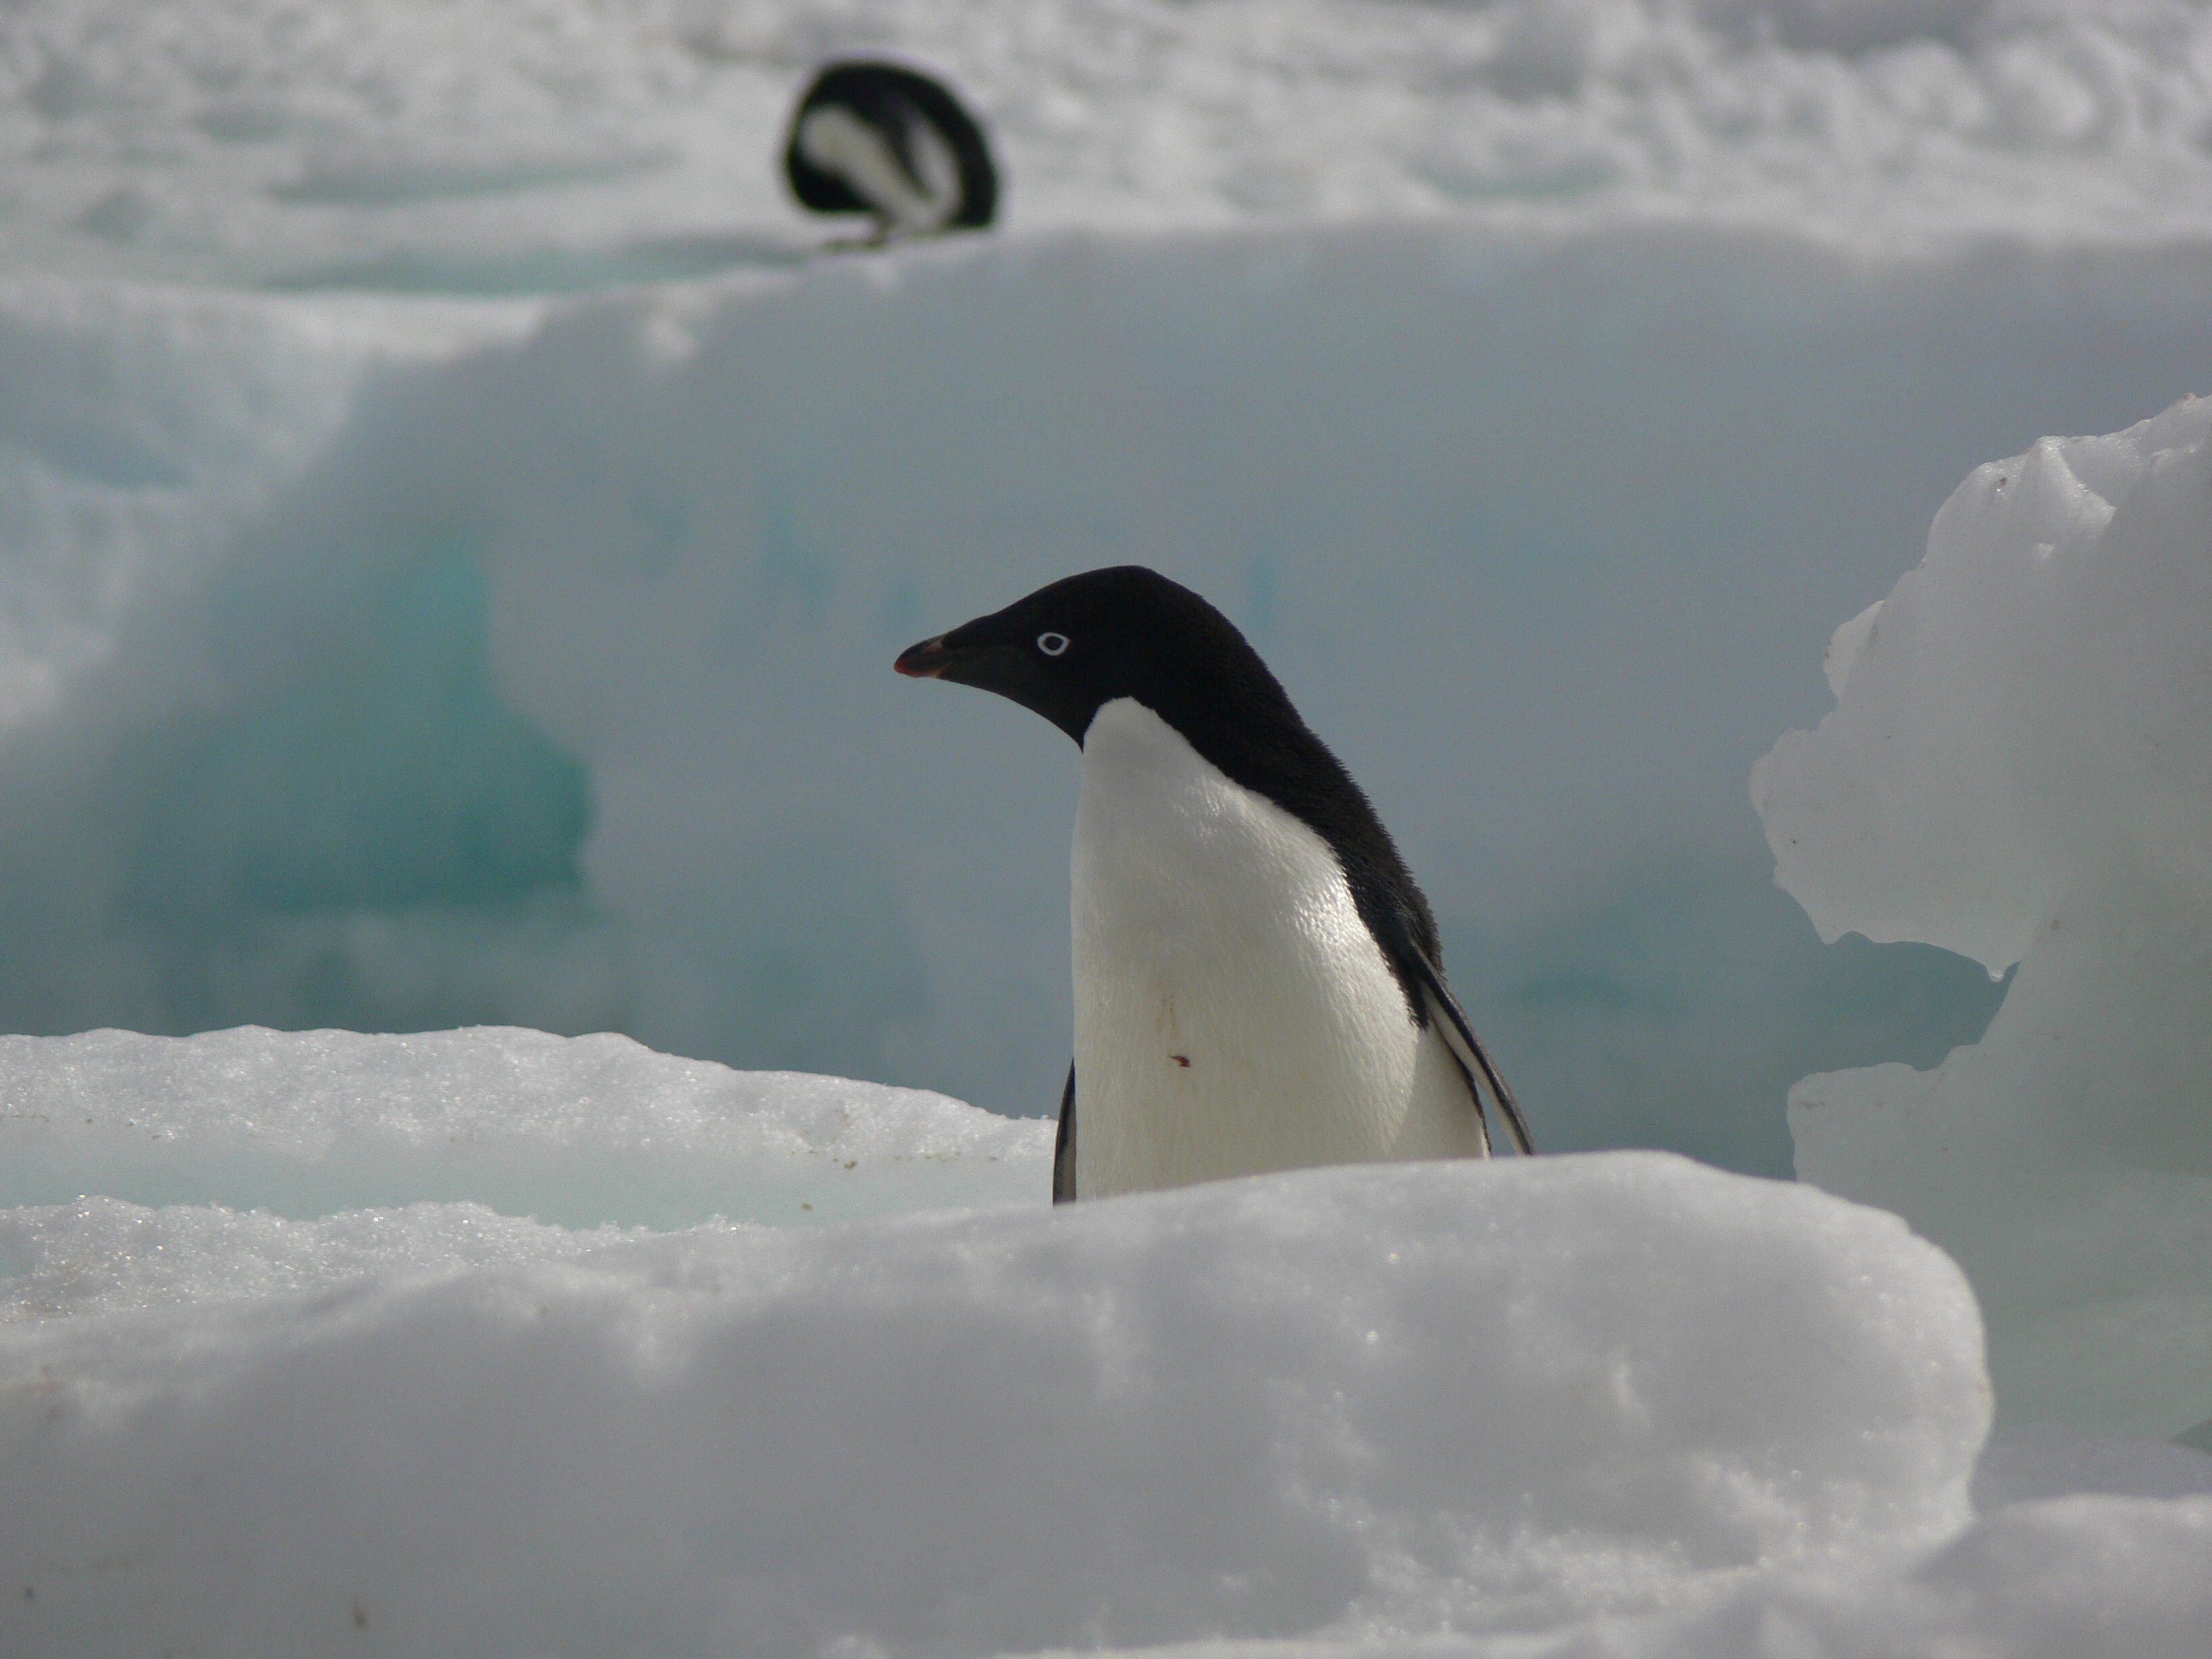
(1052, 645)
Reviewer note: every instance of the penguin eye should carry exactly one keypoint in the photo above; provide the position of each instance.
(1052, 645)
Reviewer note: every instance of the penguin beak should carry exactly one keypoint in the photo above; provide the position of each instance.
(975, 654)
(987, 666)
(924, 661)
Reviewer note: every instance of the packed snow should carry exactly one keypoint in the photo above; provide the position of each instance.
(1520, 1407)
(2018, 767)
(569, 144)
(1381, 1399)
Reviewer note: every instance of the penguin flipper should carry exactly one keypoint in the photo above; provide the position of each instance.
(1063, 1145)
(1451, 1024)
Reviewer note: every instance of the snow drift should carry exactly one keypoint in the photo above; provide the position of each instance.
(1361, 1401)
(2019, 768)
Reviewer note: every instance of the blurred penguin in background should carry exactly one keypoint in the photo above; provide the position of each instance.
(879, 139)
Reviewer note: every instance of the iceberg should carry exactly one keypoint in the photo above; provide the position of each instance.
(2019, 768)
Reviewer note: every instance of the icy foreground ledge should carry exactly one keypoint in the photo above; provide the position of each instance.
(130, 1158)
(1347, 1402)
(2018, 767)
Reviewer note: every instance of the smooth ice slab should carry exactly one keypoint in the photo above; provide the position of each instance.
(578, 1131)
(2018, 767)
(1351, 1401)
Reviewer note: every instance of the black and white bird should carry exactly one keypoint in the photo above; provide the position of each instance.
(882, 139)
(1258, 982)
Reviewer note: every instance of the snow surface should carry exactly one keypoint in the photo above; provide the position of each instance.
(1614, 1403)
(1367, 1400)
(2018, 767)
(150, 1171)
(566, 143)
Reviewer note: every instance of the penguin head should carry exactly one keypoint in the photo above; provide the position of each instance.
(1068, 649)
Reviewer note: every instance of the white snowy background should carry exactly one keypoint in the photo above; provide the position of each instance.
(453, 531)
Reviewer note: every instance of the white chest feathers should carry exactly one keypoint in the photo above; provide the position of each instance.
(1232, 1012)
(838, 140)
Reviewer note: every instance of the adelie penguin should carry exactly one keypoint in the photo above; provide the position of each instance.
(1257, 984)
(885, 140)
